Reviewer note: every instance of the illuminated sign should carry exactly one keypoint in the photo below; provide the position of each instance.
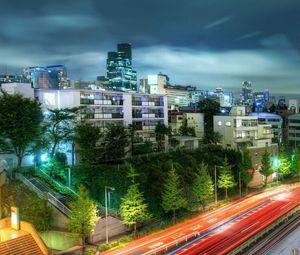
(15, 221)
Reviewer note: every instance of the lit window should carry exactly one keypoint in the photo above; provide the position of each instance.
(219, 123)
(228, 123)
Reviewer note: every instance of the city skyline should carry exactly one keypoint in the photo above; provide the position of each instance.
(203, 43)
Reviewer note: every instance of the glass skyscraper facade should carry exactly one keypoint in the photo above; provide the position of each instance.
(49, 77)
(119, 69)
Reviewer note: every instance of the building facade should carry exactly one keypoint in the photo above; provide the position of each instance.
(239, 130)
(119, 69)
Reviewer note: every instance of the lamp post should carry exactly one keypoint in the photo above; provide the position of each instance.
(216, 193)
(69, 177)
(106, 211)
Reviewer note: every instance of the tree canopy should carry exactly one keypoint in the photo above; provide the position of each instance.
(20, 124)
(133, 208)
(203, 187)
(84, 215)
(226, 178)
(266, 168)
(172, 196)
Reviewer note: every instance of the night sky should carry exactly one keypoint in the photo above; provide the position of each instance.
(205, 43)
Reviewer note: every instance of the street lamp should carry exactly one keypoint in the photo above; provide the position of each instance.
(276, 164)
(106, 210)
(216, 194)
(69, 176)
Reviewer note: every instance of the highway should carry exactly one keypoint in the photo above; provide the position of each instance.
(220, 230)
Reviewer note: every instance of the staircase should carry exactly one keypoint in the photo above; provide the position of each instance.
(45, 191)
(24, 245)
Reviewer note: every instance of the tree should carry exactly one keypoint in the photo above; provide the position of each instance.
(20, 124)
(60, 126)
(266, 167)
(88, 138)
(203, 187)
(161, 131)
(211, 137)
(133, 209)
(226, 178)
(185, 130)
(172, 195)
(295, 164)
(285, 164)
(246, 165)
(84, 215)
(32, 208)
(132, 133)
(115, 141)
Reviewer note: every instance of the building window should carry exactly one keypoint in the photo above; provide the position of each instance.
(219, 123)
(228, 123)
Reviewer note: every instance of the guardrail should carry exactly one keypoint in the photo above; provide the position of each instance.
(266, 230)
(45, 195)
(166, 247)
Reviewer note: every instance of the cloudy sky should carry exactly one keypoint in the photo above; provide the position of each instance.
(207, 43)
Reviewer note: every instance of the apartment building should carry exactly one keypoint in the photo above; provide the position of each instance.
(238, 130)
(105, 107)
(293, 127)
(272, 119)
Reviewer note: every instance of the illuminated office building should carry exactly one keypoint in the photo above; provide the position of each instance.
(119, 69)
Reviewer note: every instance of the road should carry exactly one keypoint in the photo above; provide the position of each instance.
(220, 224)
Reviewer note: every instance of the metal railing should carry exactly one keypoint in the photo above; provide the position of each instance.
(45, 195)
(172, 245)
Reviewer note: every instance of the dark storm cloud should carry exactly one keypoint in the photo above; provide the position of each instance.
(205, 43)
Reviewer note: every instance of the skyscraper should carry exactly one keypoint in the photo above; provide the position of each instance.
(247, 96)
(119, 69)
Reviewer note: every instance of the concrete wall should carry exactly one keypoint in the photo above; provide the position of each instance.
(115, 228)
(256, 156)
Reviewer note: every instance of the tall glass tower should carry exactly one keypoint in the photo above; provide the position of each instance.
(119, 69)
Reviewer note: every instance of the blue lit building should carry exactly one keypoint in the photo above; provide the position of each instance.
(119, 69)
(49, 77)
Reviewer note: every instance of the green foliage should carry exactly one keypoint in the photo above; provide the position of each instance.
(295, 163)
(133, 208)
(32, 208)
(266, 167)
(245, 165)
(161, 131)
(285, 164)
(84, 215)
(211, 137)
(172, 196)
(20, 124)
(203, 187)
(185, 130)
(88, 138)
(59, 126)
(56, 168)
(226, 178)
(115, 142)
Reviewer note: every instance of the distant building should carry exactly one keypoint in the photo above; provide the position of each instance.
(293, 125)
(144, 88)
(157, 83)
(246, 96)
(177, 95)
(119, 69)
(293, 105)
(49, 77)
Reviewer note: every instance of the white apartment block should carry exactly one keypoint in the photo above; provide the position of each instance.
(238, 130)
(104, 107)
(293, 124)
